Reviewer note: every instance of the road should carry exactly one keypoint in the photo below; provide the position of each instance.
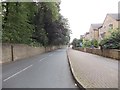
(48, 70)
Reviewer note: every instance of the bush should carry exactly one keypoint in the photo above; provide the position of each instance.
(76, 42)
(95, 43)
(87, 43)
(92, 43)
(112, 42)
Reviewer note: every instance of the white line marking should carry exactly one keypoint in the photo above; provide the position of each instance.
(17, 73)
(42, 59)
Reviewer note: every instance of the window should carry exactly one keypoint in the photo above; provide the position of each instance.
(103, 35)
(111, 26)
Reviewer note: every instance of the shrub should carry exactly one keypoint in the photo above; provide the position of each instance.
(112, 42)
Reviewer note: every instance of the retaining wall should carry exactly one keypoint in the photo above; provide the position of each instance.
(13, 52)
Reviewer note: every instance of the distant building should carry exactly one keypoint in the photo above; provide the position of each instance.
(100, 31)
(111, 22)
(94, 31)
(87, 36)
(82, 36)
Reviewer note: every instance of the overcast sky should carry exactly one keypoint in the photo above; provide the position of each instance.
(82, 13)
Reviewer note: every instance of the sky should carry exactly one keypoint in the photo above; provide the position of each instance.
(82, 13)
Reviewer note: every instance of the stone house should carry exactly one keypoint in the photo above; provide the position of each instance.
(82, 36)
(94, 31)
(87, 36)
(110, 23)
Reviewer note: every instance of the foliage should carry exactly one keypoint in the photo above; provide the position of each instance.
(94, 43)
(17, 27)
(57, 32)
(84, 43)
(90, 43)
(87, 43)
(112, 42)
(76, 42)
(33, 23)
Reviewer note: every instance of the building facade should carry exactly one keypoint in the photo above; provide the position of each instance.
(100, 31)
(94, 31)
(87, 36)
(110, 23)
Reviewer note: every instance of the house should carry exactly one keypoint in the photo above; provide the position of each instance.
(87, 36)
(82, 36)
(110, 23)
(94, 31)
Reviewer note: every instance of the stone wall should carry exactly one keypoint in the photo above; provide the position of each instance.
(110, 53)
(13, 52)
(6, 53)
(22, 51)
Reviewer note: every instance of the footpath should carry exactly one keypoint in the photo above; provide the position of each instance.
(93, 71)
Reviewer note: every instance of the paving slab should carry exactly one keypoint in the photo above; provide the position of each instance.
(93, 71)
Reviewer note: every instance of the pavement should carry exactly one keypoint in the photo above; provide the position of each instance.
(48, 70)
(93, 71)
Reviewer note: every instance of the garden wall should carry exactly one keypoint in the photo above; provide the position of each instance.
(110, 53)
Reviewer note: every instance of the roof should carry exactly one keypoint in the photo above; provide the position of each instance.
(96, 26)
(82, 36)
(87, 33)
(115, 16)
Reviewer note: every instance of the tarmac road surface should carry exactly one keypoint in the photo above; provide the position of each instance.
(48, 70)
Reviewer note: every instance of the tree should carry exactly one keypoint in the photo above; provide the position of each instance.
(60, 32)
(17, 27)
(112, 42)
(40, 35)
(75, 43)
(94, 42)
(50, 27)
(42, 24)
(55, 27)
